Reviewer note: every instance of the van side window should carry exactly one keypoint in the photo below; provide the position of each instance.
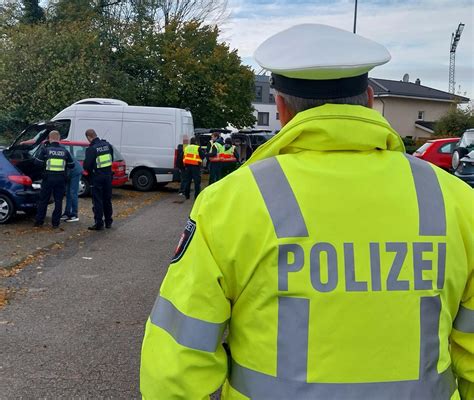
(63, 125)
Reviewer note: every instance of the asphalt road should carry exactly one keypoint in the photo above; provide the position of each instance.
(76, 332)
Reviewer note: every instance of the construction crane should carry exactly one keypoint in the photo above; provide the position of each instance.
(455, 37)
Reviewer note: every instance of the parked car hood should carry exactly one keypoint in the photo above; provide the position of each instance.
(469, 157)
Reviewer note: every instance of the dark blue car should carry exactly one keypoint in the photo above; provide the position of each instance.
(20, 179)
(17, 191)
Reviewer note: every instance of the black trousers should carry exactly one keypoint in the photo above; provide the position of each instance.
(214, 171)
(192, 173)
(101, 190)
(54, 184)
(227, 168)
(182, 175)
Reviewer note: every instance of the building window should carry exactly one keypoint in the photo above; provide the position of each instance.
(278, 116)
(263, 118)
(421, 115)
(258, 93)
(271, 99)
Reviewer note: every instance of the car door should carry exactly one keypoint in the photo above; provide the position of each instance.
(445, 152)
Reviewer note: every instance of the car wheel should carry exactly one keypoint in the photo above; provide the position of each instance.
(84, 187)
(455, 160)
(143, 180)
(7, 209)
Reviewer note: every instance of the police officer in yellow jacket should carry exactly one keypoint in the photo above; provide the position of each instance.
(350, 273)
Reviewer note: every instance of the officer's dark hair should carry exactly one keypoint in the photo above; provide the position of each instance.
(215, 134)
(90, 133)
(193, 140)
(228, 140)
(298, 104)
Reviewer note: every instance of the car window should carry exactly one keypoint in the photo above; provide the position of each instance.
(78, 152)
(446, 148)
(467, 139)
(117, 155)
(423, 148)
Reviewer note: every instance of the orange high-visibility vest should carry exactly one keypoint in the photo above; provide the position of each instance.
(227, 155)
(191, 155)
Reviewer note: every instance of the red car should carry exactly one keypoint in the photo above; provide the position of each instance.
(78, 151)
(438, 152)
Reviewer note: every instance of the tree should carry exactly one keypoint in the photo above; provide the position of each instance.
(179, 11)
(32, 12)
(44, 69)
(187, 67)
(82, 51)
(455, 122)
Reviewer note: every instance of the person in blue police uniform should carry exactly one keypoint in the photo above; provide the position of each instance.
(55, 159)
(98, 164)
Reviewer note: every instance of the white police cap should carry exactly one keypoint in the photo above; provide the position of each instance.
(320, 61)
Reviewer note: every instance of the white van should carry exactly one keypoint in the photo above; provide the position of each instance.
(147, 137)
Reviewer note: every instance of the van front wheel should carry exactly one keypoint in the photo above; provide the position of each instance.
(143, 180)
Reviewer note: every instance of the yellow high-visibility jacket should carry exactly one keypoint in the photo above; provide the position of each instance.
(349, 275)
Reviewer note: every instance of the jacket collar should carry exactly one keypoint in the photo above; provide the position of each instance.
(332, 127)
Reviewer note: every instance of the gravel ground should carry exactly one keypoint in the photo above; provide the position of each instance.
(74, 329)
(22, 245)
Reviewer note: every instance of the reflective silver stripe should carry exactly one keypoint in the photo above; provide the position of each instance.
(430, 385)
(279, 199)
(441, 264)
(431, 209)
(293, 323)
(187, 331)
(430, 310)
(258, 386)
(464, 321)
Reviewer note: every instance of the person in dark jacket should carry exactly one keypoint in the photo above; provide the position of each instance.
(230, 157)
(72, 193)
(55, 159)
(98, 164)
(192, 159)
(180, 165)
(217, 147)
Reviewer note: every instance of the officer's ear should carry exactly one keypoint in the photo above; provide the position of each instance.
(370, 96)
(285, 113)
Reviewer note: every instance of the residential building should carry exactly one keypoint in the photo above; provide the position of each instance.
(411, 108)
(264, 104)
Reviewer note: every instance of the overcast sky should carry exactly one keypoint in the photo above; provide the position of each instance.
(417, 33)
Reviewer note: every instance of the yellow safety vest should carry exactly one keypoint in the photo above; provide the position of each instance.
(349, 275)
(104, 160)
(220, 149)
(191, 155)
(227, 155)
(55, 164)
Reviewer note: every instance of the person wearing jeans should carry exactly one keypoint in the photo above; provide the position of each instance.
(72, 189)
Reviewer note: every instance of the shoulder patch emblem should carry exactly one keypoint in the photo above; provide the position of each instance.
(185, 239)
